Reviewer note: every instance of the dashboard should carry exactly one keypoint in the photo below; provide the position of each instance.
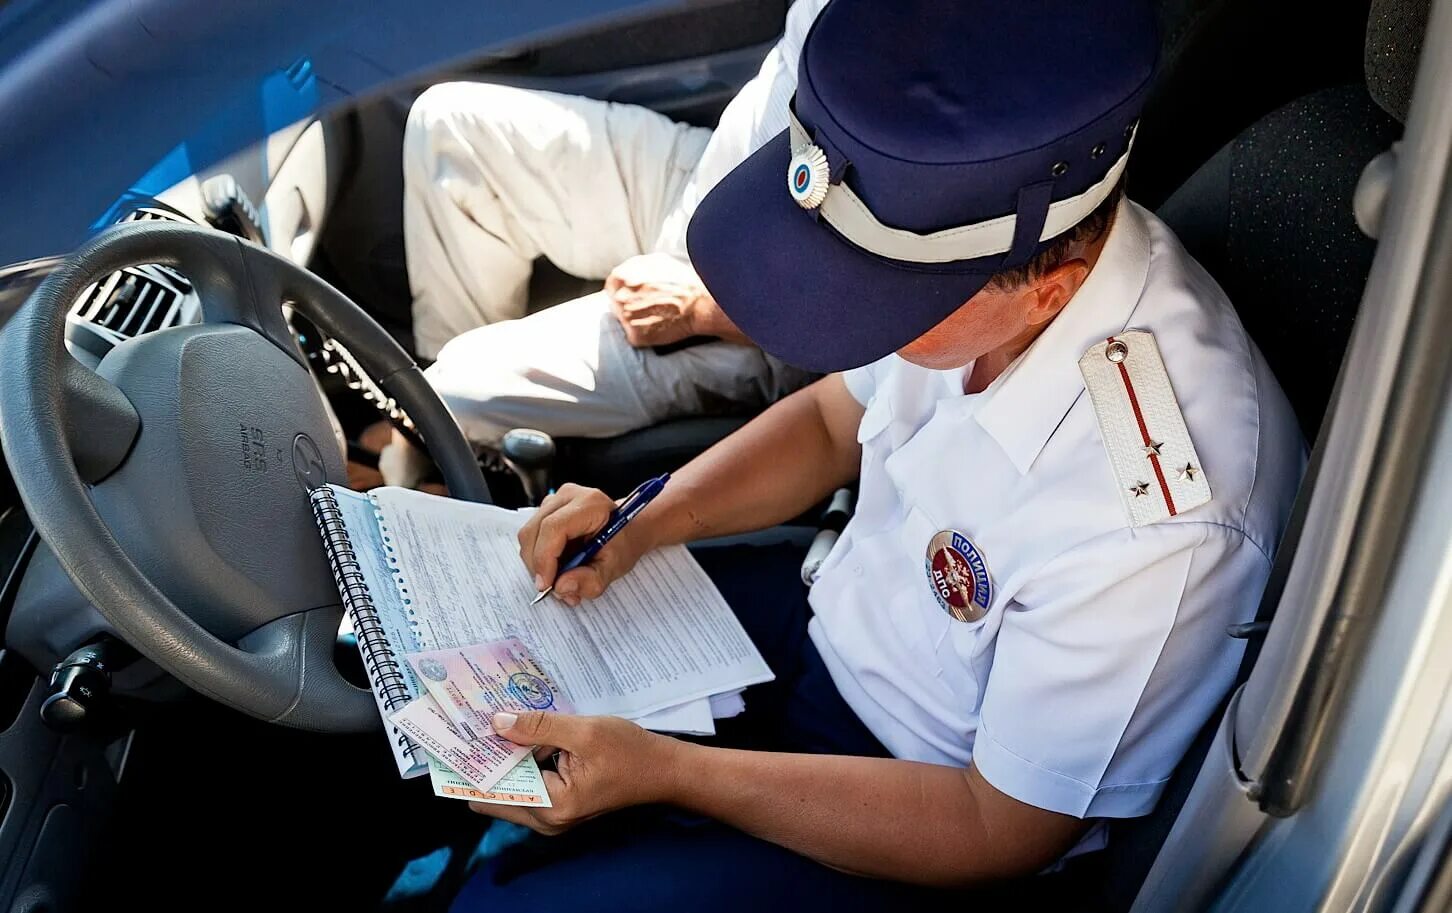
(131, 302)
(280, 190)
(286, 181)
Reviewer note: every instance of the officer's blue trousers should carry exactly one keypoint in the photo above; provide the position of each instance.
(660, 859)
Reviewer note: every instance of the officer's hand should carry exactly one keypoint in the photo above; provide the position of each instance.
(569, 515)
(657, 299)
(603, 763)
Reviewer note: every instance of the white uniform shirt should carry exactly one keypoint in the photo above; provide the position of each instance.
(757, 114)
(1104, 647)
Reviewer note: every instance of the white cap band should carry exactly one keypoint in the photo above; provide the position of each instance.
(849, 215)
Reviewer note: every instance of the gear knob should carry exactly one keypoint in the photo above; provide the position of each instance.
(531, 454)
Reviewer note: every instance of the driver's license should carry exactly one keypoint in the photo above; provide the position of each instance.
(482, 762)
(473, 683)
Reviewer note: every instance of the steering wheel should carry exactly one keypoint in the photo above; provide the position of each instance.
(195, 448)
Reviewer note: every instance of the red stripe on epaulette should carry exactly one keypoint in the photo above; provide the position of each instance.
(1145, 435)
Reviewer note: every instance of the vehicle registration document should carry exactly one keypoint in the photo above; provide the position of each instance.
(421, 573)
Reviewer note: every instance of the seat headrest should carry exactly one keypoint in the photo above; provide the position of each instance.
(1394, 33)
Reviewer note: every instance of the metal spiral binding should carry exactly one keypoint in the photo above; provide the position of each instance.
(379, 660)
(390, 554)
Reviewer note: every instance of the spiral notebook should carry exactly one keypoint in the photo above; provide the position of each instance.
(381, 624)
(421, 572)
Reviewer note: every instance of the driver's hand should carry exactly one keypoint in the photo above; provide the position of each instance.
(658, 300)
(572, 514)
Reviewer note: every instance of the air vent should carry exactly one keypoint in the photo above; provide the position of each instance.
(136, 300)
(133, 301)
(147, 214)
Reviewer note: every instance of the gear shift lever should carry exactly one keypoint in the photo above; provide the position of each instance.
(531, 454)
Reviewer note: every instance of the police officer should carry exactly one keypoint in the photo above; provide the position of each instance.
(1074, 468)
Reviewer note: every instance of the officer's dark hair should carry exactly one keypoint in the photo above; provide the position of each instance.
(1089, 230)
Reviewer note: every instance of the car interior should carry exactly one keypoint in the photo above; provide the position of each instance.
(1253, 143)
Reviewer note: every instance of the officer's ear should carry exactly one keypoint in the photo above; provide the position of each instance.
(1046, 295)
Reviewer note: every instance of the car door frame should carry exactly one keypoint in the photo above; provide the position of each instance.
(1331, 761)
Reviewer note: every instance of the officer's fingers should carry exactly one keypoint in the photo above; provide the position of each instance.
(544, 553)
(563, 813)
(554, 783)
(528, 535)
(548, 825)
(565, 494)
(512, 813)
(581, 517)
(591, 580)
(582, 583)
(536, 727)
(551, 503)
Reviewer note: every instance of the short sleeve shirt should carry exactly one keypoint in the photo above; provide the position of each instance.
(1103, 649)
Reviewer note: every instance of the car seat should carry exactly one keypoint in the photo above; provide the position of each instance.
(1224, 64)
(1270, 216)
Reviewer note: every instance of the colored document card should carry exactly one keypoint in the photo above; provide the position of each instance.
(473, 683)
(481, 762)
(523, 785)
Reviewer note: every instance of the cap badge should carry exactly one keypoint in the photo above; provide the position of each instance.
(958, 576)
(807, 176)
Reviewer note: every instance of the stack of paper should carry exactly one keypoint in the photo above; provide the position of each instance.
(660, 647)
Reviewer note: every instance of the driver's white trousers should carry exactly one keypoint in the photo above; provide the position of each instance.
(495, 177)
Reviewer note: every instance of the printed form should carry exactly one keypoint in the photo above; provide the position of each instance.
(661, 636)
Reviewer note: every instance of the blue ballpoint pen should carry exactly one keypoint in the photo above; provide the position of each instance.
(633, 504)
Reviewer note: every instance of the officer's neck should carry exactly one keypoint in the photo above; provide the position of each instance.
(989, 366)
